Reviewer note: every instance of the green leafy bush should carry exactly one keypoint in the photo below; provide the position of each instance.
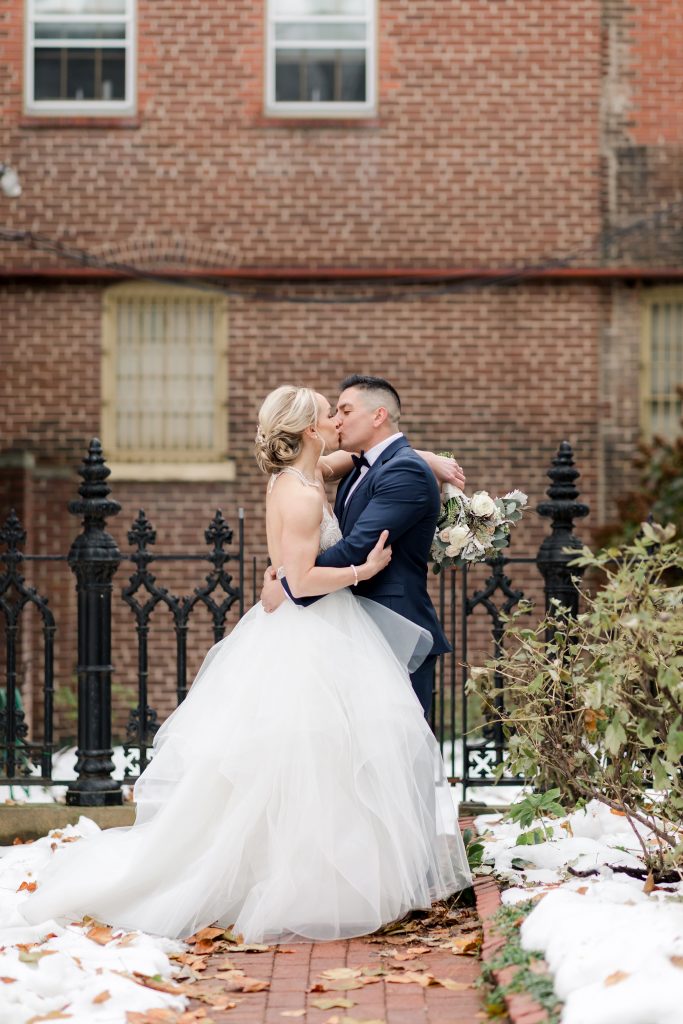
(596, 712)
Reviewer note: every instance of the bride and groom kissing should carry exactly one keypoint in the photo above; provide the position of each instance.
(389, 486)
(292, 794)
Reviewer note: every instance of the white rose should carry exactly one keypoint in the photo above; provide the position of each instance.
(459, 536)
(445, 535)
(482, 504)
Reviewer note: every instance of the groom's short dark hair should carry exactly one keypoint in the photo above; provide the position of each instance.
(366, 383)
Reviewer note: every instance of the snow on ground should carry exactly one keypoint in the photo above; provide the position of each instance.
(51, 967)
(615, 951)
(63, 767)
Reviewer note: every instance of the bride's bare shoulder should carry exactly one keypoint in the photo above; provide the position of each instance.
(293, 498)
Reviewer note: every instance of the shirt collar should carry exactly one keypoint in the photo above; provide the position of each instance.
(374, 453)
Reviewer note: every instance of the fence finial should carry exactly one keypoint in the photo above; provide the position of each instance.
(562, 509)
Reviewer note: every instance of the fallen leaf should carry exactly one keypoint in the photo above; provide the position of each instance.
(28, 886)
(409, 954)
(677, 961)
(343, 985)
(293, 1013)
(424, 979)
(17, 841)
(100, 934)
(52, 1015)
(226, 965)
(155, 1016)
(331, 1004)
(127, 939)
(7, 981)
(649, 883)
(619, 814)
(250, 947)
(341, 973)
(102, 997)
(206, 935)
(582, 890)
(203, 946)
(35, 955)
(614, 979)
(451, 984)
(466, 945)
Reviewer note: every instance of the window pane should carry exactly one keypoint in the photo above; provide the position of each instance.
(319, 31)
(353, 77)
(320, 66)
(113, 75)
(311, 8)
(80, 75)
(46, 74)
(82, 30)
(43, 7)
(288, 76)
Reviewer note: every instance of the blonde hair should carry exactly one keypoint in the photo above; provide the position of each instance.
(282, 419)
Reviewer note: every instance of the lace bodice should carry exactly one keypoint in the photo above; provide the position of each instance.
(330, 532)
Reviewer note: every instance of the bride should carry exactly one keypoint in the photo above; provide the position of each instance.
(292, 793)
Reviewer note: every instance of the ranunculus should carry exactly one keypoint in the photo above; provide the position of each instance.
(482, 504)
(459, 536)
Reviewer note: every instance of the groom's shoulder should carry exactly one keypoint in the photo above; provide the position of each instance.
(406, 460)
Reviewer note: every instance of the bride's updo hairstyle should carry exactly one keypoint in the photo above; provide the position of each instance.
(282, 419)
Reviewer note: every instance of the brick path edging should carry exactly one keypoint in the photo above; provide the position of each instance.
(522, 1009)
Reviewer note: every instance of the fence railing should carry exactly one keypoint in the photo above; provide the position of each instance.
(473, 747)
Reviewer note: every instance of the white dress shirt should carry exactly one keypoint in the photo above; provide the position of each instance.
(372, 455)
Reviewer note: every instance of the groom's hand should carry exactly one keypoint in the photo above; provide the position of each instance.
(272, 594)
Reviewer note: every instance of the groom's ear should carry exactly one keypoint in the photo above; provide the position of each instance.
(380, 416)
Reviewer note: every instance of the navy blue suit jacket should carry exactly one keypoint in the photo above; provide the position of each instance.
(400, 494)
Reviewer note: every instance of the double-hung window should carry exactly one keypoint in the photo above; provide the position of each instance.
(80, 56)
(662, 363)
(321, 57)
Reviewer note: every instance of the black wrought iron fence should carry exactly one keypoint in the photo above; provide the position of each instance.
(471, 603)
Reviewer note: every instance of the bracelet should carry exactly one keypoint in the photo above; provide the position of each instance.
(355, 576)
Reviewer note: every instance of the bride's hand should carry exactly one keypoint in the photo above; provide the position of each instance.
(378, 559)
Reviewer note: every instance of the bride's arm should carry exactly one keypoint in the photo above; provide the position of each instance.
(300, 542)
(446, 470)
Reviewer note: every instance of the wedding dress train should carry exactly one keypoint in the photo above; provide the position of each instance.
(291, 794)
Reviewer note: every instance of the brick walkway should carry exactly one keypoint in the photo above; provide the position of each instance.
(293, 974)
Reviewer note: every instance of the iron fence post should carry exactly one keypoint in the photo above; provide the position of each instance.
(94, 559)
(562, 509)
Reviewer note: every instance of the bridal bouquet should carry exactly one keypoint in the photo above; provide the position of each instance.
(470, 529)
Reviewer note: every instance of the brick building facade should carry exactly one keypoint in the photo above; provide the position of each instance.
(479, 201)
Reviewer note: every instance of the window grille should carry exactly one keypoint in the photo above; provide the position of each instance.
(80, 56)
(164, 375)
(320, 56)
(662, 364)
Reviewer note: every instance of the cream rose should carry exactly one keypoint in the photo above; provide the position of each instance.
(445, 535)
(482, 504)
(459, 536)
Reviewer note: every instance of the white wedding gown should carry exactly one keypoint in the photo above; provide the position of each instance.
(291, 795)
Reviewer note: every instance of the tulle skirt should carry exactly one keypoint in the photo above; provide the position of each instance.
(291, 795)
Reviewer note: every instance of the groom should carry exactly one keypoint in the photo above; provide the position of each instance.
(390, 488)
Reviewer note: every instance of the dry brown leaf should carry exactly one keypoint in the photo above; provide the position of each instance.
(127, 939)
(7, 981)
(230, 936)
(582, 890)
(619, 814)
(677, 961)
(156, 1016)
(100, 934)
(203, 946)
(159, 986)
(451, 984)
(34, 955)
(422, 978)
(409, 954)
(71, 839)
(102, 997)
(343, 985)
(206, 935)
(466, 945)
(250, 947)
(17, 841)
(226, 965)
(331, 1004)
(28, 886)
(341, 973)
(293, 1013)
(52, 1015)
(253, 985)
(649, 883)
(614, 979)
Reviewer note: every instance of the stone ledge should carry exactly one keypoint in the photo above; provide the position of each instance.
(31, 821)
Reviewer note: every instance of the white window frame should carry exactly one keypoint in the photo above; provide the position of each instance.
(81, 107)
(323, 109)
